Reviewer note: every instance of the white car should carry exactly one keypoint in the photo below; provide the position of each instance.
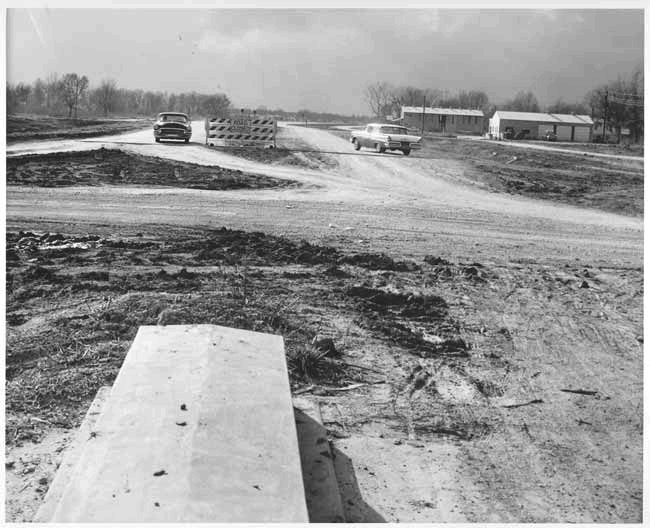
(383, 137)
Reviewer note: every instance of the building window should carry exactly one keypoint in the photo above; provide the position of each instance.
(452, 120)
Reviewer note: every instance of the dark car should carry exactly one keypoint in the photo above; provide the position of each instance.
(549, 135)
(172, 125)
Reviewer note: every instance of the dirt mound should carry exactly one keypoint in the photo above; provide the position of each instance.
(335, 271)
(404, 304)
(232, 246)
(417, 322)
(378, 261)
(38, 273)
(115, 167)
(22, 128)
(446, 342)
(436, 261)
(445, 270)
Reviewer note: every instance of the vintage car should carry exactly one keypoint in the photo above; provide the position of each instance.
(549, 135)
(172, 125)
(383, 137)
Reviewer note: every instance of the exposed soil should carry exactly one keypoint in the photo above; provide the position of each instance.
(74, 303)
(606, 184)
(107, 288)
(115, 167)
(494, 375)
(600, 148)
(25, 128)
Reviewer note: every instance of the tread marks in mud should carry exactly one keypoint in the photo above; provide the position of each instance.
(417, 322)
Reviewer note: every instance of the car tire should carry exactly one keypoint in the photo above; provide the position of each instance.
(380, 148)
(406, 151)
(157, 140)
(187, 140)
(357, 145)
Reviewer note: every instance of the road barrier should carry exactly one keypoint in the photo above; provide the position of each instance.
(240, 132)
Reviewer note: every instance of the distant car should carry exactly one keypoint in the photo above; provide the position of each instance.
(172, 125)
(549, 135)
(383, 137)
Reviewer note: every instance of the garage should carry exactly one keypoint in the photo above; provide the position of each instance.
(582, 134)
(563, 133)
(532, 125)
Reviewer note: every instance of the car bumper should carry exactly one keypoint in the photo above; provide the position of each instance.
(172, 134)
(398, 145)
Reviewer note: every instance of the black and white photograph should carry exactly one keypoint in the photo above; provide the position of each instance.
(341, 263)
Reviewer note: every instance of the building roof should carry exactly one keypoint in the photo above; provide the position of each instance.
(555, 119)
(441, 111)
(385, 124)
(574, 119)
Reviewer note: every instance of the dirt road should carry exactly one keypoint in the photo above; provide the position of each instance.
(558, 308)
(367, 196)
(553, 148)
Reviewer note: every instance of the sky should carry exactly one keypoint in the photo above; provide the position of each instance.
(322, 59)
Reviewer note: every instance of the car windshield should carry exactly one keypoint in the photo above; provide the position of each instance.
(393, 130)
(174, 118)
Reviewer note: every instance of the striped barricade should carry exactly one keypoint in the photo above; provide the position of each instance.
(239, 132)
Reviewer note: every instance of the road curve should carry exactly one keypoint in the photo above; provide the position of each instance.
(364, 194)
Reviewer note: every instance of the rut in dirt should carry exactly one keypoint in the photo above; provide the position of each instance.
(74, 303)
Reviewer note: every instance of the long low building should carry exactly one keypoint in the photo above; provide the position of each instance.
(444, 120)
(532, 125)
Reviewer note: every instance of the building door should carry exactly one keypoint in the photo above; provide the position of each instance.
(582, 133)
(443, 123)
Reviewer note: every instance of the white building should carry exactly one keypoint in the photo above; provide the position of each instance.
(567, 127)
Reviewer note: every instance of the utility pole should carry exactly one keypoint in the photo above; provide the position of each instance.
(424, 102)
(605, 116)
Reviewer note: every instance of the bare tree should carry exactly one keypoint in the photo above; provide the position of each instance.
(621, 101)
(562, 107)
(406, 96)
(379, 97)
(105, 96)
(214, 105)
(18, 97)
(52, 93)
(37, 98)
(522, 102)
(72, 89)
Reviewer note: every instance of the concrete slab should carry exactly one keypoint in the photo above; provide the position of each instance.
(71, 457)
(321, 488)
(199, 427)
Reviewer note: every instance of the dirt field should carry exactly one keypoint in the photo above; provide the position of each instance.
(114, 167)
(601, 148)
(606, 184)
(25, 128)
(496, 341)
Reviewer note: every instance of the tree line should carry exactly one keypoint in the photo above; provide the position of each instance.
(620, 102)
(71, 95)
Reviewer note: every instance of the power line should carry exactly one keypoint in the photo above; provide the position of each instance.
(627, 102)
(626, 94)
